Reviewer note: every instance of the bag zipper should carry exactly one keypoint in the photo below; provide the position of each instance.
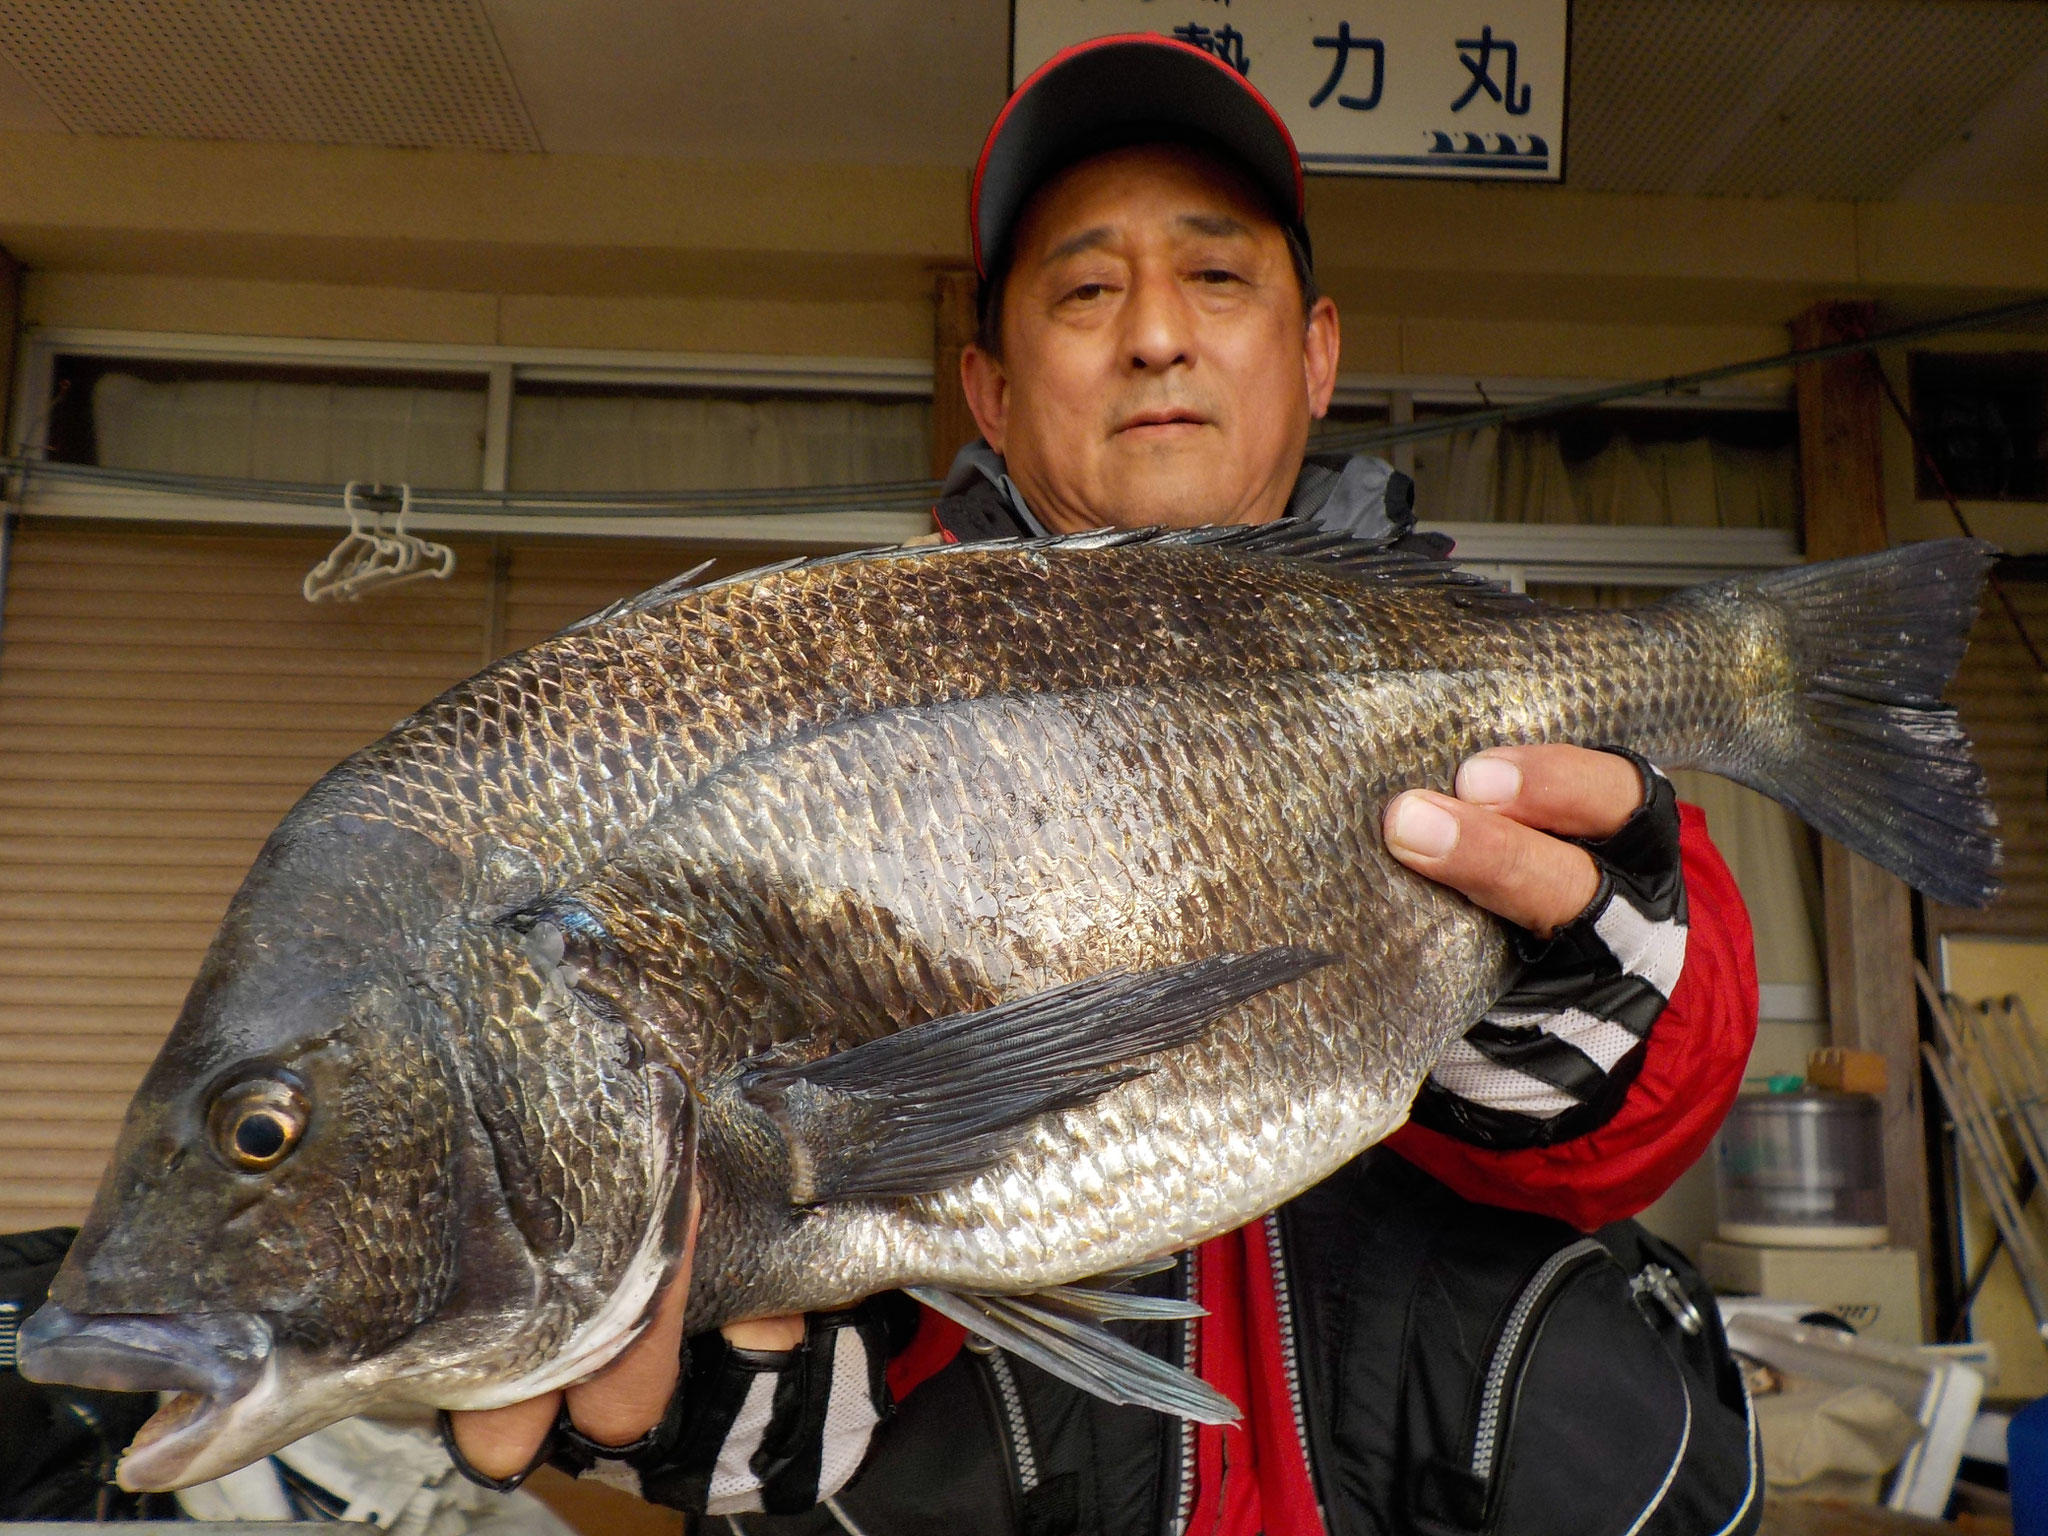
(1005, 1403)
(1494, 1397)
(1022, 1456)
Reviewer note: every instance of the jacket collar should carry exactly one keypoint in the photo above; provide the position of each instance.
(1357, 494)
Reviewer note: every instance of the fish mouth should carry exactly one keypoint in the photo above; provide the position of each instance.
(219, 1368)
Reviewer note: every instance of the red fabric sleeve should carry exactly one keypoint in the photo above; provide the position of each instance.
(1692, 1070)
(930, 1350)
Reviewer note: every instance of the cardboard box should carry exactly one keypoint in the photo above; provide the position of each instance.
(1842, 1070)
(1876, 1291)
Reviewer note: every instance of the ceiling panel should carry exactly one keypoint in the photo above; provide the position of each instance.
(1889, 86)
(906, 82)
(1805, 98)
(21, 109)
(2000, 156)
(416, 74)
(1652, 81)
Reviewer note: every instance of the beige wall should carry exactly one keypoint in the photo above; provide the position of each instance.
(655, 322)
(1434, 278)
(10, 322)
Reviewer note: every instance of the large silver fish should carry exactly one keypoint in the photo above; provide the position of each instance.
(976, 920)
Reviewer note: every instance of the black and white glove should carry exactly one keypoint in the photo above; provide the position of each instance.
(750, 1430)
(1554, 1058)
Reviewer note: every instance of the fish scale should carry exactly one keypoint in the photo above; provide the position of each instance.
(1159, 825)
(704, 704)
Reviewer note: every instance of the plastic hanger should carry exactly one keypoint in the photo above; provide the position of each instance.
(372, 557)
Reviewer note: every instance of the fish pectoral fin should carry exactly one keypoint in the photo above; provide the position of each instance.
(1060, 1331)
(922, 1109)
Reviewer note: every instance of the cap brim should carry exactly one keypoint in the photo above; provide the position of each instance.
(1102, 90)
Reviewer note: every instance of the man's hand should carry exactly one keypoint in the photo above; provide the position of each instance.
(617, 1406)
(1493, 841)
(620, 1403)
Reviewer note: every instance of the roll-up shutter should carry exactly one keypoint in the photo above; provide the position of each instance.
(2004, 703)
(164, 698)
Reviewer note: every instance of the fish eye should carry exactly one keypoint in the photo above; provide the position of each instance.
(255, 1122)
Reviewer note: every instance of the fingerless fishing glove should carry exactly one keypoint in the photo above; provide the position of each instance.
(760, 1430)
(1555, 1056)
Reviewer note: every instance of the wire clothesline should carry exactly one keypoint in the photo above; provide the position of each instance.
(918, 495)
(879, 496)
(1678, 383)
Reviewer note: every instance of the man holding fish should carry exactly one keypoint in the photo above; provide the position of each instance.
(1152, 351)
(921, 960)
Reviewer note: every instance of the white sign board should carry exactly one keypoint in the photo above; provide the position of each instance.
(1464, 88)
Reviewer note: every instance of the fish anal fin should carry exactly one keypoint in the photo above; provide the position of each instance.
(922, 1109)
(1069, 1342)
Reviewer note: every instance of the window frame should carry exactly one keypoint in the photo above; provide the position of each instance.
(1512, 553)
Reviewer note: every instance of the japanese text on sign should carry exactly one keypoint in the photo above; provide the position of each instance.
(1466, 88)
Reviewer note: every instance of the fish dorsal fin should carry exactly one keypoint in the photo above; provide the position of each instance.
(654, 596)
(1417, 562)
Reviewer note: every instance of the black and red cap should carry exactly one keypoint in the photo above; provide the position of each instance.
(1122, 90)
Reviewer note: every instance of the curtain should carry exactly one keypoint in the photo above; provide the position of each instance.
(1457, 477)
(310, 433)
(653, 442)
(1771, 855)
(1521, 475)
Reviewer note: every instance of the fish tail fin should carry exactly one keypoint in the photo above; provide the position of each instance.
(1867, 752)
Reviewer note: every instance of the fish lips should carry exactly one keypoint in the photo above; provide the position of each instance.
(220, 1367)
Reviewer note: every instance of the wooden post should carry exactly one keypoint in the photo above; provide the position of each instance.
(1871, 1001)
(10, 330)
(953, 425)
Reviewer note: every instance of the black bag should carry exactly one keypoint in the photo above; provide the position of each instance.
(58, 1445)
(1483, 1372)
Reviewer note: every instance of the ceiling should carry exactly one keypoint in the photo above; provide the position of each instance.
(1924, 100)
(1814, 98)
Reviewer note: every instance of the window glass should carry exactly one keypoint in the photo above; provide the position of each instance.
(601, 438)
(322, 427)
(1675, 469)
(1984, 417)
(1685, 469)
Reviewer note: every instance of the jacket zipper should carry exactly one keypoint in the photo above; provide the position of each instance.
(1494, 1397)
(1290, 1358)
(1191, 1361)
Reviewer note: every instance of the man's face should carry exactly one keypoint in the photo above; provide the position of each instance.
(1156, 366)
